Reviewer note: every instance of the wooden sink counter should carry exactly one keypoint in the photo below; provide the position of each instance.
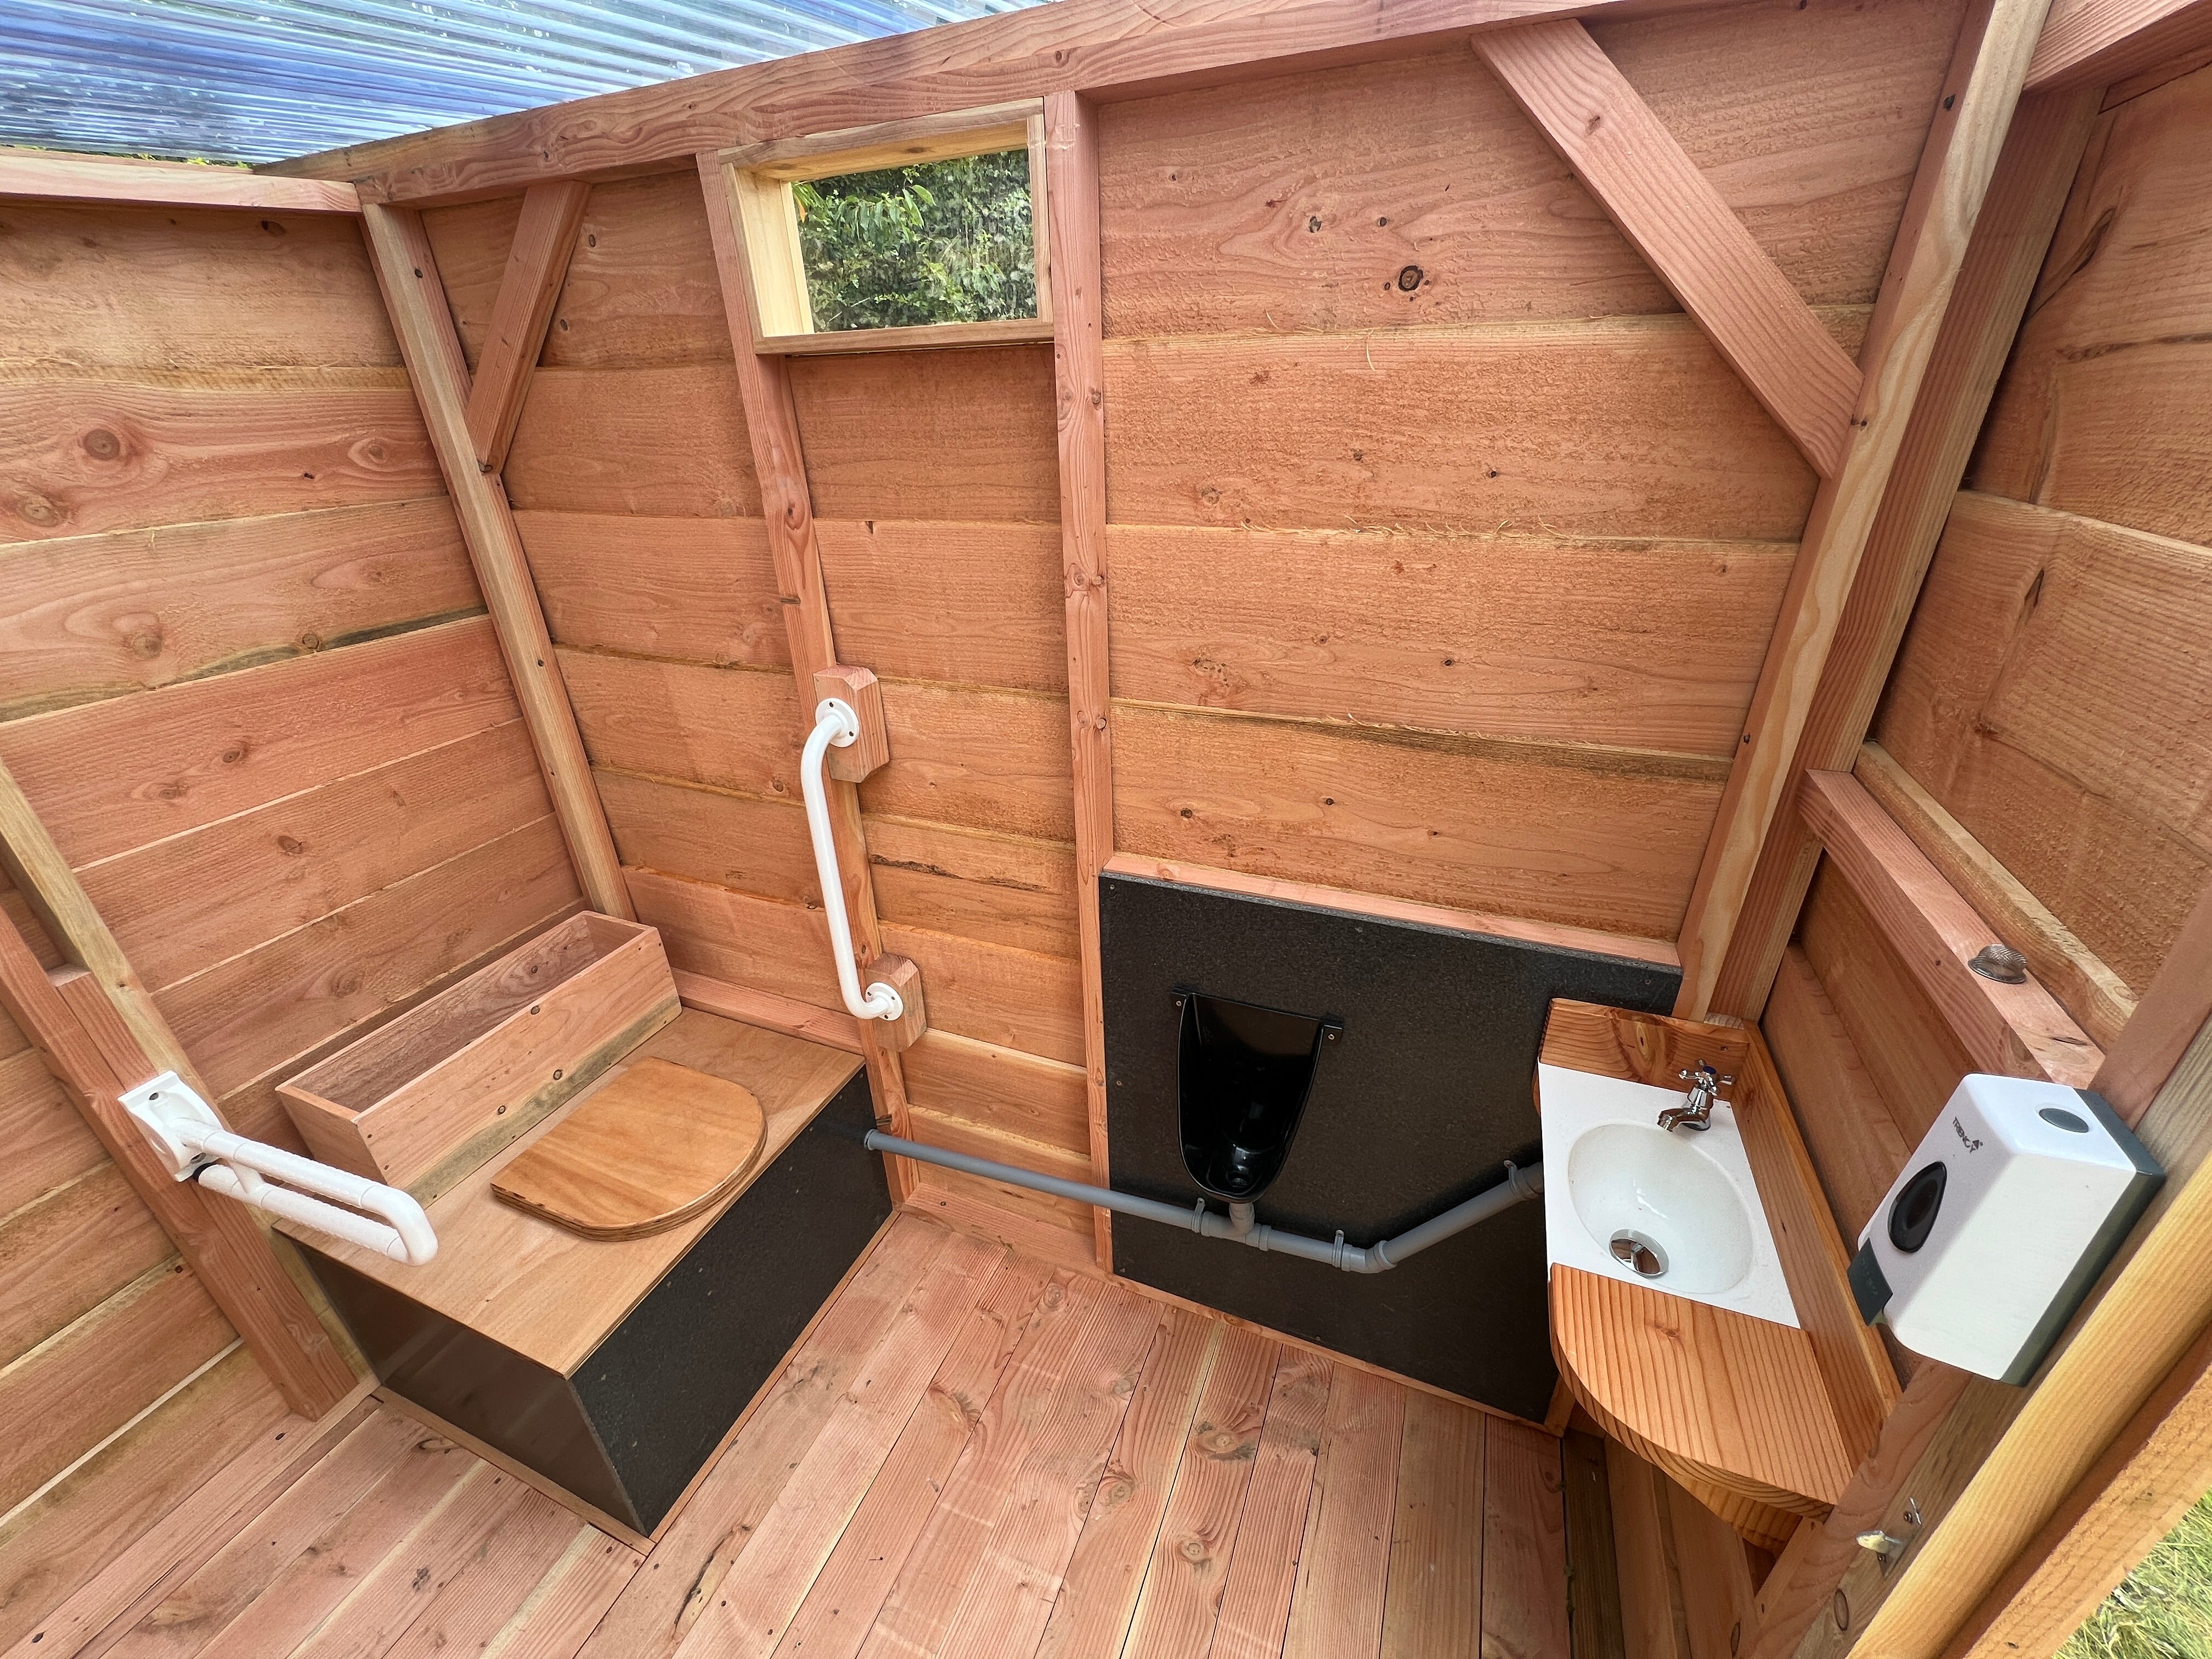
(1763, 1422)
(549, 1294)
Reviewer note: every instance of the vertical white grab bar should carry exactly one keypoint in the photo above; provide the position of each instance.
(836, 725)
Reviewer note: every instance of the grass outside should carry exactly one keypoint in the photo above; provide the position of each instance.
(2163, 1610)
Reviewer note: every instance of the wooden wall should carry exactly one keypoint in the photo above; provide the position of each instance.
(2054, 692)
(247, 681)
(1444, 548)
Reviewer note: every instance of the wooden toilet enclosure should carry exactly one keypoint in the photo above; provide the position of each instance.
(1604, 532)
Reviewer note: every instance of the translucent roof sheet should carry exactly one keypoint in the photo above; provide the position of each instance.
(235, 80)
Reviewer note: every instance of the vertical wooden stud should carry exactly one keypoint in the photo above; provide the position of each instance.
(786, 502)
(1079, 370)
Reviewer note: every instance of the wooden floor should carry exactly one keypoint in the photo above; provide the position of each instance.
(973, 1453)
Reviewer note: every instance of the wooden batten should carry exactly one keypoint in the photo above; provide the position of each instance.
(407, 273)
(1955, 170)
(1071, 147)
(2017, 1029)
(30, 174)
(786, 504)
(102, 1034)
(537, 265)
(2019, 215)
(2093, 43)
(1679, 222)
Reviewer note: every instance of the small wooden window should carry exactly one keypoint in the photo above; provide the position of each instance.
(824, 219)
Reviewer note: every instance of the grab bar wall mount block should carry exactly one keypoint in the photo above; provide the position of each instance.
(190, 1139)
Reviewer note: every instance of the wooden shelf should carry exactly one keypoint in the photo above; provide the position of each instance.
(552, 1296)
(1765, 1422)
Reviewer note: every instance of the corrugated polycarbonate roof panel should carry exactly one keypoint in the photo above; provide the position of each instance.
(229, 79)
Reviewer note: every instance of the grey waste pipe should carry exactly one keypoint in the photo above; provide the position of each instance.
(1518, 1184)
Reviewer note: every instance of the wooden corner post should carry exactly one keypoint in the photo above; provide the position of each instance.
(787, 504)
(1071, 152)
(1976, 106)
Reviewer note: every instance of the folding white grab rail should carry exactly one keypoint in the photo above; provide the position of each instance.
(836, 725)
(185, 1130)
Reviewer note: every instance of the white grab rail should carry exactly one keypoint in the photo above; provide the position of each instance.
(836, 725)
(196, 1146)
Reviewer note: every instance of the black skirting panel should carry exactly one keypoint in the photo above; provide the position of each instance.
(1415, 1106)
(628, 1431)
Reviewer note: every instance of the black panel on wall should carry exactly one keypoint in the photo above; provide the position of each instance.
(1414, 1107)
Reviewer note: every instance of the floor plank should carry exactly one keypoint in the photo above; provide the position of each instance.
(319, 1544)
(1345, 1562)
(686, 1566)
(1099, 1590)
(1524, 1545)
(1434, 1604)
(1181, 1598)
(784, 1553)
(974, 1452)
(1263, 1571)
(842, 1606)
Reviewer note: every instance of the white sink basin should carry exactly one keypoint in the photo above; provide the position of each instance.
(1676, 1210)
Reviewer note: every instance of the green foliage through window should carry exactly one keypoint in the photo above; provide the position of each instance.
(936, 242)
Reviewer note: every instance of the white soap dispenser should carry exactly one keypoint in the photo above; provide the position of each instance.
(2000, 1223)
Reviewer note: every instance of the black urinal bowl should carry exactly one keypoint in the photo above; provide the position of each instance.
(1244, 1075)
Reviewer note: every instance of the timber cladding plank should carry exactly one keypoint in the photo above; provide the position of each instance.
(67, 1251)
(250, 1012)
(94, 1375)
(470, 242)
(85, 618)
(988, 759)
(52, 1146)
(970, 604)
(756, 845)
(642, 290)
(737, 938)
(184, 903)
(1013, 998)
(1607, 840)
(1209, 196)
(82, 456)
(668, 441)
(63, 1539)
(112, 775)
(2104, 401)
(1040, 1100)
(1908, 1048)
(975, 435)
(1005, 889)
(1521, 636)
(187, 287)
(1461, 427)
(2051, 694)
(700, 589)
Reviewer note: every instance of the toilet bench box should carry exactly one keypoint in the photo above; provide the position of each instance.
(422, 1101)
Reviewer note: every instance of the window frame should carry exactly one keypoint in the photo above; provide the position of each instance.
(760, 177)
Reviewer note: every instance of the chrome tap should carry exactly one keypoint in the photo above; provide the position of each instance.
(1697, 1112)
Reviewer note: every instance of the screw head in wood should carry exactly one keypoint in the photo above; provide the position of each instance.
(2000, 962)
